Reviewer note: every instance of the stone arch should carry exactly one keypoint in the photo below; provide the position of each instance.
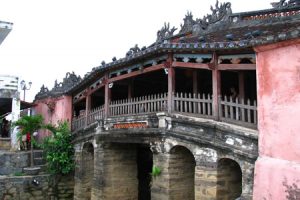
(229, 179)
(182, 173)
(87, 165)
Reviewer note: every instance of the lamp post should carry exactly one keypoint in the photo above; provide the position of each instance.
(25, 87)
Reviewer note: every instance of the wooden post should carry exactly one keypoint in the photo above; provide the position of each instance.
(107, 99)
(242, 85)
(216, 81)
(195, 82)
(87, 108)
(171, 83)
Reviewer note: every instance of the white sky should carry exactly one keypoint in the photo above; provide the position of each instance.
(51, 37)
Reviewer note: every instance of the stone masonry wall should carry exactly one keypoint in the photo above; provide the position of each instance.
(84, 172)
(120, 169)
(182, 172)
(23, 188)
(205, 182)
(11, 162)
(160, 184)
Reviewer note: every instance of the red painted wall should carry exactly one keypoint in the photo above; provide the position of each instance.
(62, 111)
(278, 165)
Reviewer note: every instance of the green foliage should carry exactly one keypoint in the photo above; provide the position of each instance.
(156, 171)
(31, 124)
(59, 150)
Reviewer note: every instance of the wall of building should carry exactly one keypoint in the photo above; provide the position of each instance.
(54, 110)
(277, 170)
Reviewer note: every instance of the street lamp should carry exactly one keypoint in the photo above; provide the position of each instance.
(24, 87)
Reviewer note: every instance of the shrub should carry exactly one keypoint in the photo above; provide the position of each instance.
(59, 151)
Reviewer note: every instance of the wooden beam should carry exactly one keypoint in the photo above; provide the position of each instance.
(236, 66)
(136, 73)
(91, 91)
(190, 65)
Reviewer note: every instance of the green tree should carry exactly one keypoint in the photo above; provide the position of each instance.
(31, 124)
(59, 150)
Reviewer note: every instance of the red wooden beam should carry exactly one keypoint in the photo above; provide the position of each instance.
(236, 66)
(190, 65)
(91, 91)
(136, 73)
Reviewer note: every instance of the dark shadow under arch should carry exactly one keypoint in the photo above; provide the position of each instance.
(229, 179)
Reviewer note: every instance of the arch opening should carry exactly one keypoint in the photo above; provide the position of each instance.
(229, 179)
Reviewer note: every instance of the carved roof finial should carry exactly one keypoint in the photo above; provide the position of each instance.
(285, 4)
(165, 32)
(188, 23)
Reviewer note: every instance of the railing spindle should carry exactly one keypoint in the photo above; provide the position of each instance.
(231, 108)
(248, 112)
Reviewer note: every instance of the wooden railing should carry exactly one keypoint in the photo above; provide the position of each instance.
(238, 111)
(95, 114)
(78, 122)
(235, 111)
(139, 105)
(197, 104)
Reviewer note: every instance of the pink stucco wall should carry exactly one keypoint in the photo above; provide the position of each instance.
(62, 111)
(278, 76)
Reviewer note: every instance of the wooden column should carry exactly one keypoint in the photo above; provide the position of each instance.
(195, 82)
(171, 83)
(87, 108)
(242, 85)
(107, 99)
(216, 81)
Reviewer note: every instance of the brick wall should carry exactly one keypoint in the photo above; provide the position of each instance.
(115, 173)
(181, 172)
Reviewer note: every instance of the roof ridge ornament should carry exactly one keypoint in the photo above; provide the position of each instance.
(133, 50)
(188, 23)
(221, 12)
(285, 4)
(165, 32)
(59, 88)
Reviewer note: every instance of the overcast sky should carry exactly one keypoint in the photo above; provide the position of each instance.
(53, 37)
